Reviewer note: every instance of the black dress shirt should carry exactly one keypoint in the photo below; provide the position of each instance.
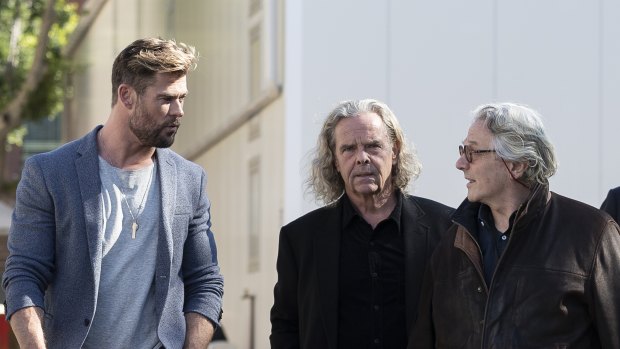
(371, 311)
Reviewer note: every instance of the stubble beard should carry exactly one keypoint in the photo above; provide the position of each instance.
(149, 132)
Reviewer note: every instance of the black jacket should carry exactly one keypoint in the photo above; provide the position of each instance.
(304, 314)
(557, 284)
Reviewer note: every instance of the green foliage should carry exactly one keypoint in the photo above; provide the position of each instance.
(16, 137)
(21, 19)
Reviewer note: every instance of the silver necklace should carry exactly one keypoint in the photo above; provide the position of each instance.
(134, 218)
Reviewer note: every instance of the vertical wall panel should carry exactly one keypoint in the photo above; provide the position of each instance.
(549, 59)
(609, 141)
(441, 67)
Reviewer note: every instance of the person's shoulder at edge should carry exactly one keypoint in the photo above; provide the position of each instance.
(615, 191)
(612, 195)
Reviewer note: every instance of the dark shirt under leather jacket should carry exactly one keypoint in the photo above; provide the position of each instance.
(556, 284)
(342, 284)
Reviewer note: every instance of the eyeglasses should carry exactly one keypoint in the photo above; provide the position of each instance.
(464, 149)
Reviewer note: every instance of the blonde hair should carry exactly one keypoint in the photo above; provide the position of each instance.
(139, 62)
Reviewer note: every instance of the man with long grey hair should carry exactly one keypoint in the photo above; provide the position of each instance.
(522, 267)
(349, 274)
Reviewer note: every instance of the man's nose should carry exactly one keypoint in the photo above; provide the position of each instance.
(462, 163)
(176, 108)
(362, 157)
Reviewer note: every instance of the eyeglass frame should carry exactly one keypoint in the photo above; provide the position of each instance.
(465, 149)
(468, 156)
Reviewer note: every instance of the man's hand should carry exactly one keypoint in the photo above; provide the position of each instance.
(199, 331)
(27, 325)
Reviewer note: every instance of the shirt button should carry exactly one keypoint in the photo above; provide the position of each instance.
(504, 237)
(374, 275)
(482, 223)
(376, 307)
(377, 341)
(479, 289)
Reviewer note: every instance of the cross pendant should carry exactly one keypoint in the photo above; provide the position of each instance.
(134, 227)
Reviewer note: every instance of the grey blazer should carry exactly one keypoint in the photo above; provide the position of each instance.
(55, 244)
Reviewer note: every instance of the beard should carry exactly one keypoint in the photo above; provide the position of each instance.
(149, 132)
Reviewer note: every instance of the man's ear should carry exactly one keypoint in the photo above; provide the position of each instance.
(395, 151)
(518, 168)
(127, 96)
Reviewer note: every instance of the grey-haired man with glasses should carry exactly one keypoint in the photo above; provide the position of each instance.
(522, 267)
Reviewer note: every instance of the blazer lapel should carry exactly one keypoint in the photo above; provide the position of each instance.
(415, 229)
(326, 253)
(168, 185)
(87, 169)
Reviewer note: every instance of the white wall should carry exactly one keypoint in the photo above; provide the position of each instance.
(609, 142)
(435, 61)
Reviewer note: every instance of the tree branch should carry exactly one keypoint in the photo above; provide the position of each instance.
(11, 115)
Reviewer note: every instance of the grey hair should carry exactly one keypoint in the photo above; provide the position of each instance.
(519, 136)
(324, 179)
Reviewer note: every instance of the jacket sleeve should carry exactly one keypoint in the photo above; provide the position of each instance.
(284, 313)
(30, 264)
(605, 284)
(204, 285)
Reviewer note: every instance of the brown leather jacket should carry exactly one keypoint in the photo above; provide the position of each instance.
(557, 284)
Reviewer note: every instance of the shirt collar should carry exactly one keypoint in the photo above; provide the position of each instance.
(484, 214)
(349, 212)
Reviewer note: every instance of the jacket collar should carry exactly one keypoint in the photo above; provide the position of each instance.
(349, 212)
(466, 214)
(415, 226)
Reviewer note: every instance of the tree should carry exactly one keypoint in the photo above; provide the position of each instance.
(32, 67)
